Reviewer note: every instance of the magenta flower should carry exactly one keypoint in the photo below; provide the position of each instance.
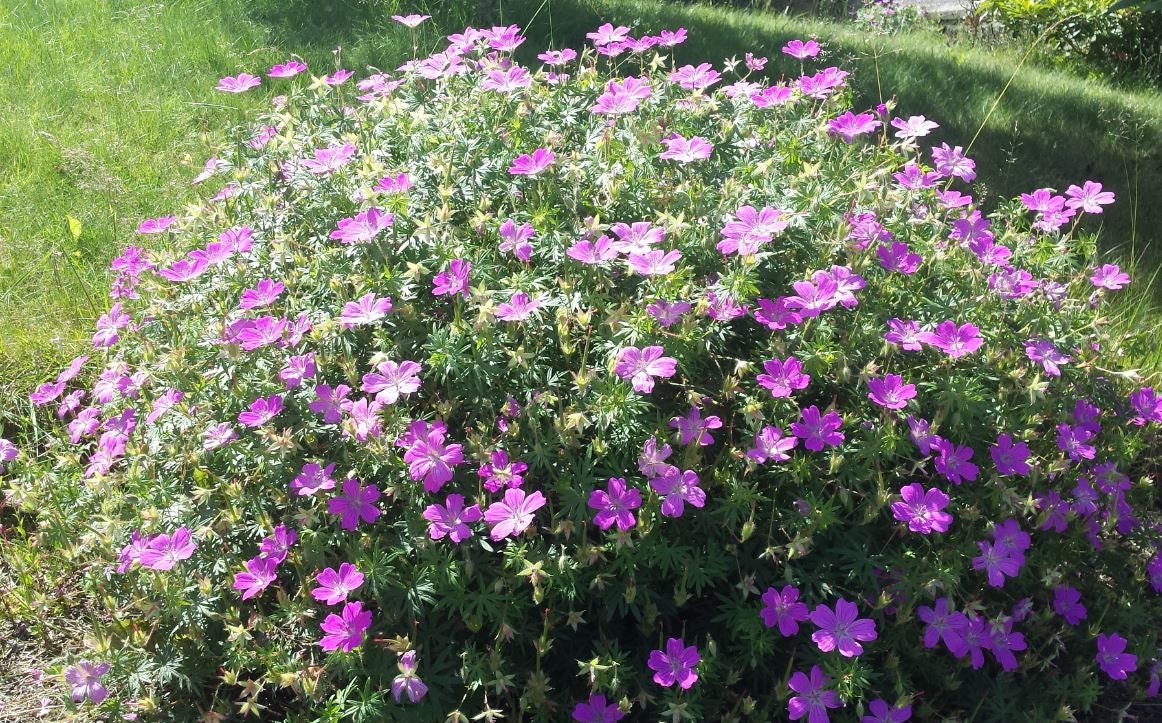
(367, 310)
(265, 293)
(652, 461)
(1111, 657)
(278, 544)
(784, 609)
(339, 77)
(85, 679)
(782, 378)
(686, 150)
(640, 366)
(289, 69)
(451, 519)
(621, 97)
(693, 429)
(1011, 458)
(108, 326)
(771, 446)
(615, 505)
(513, 515)
(1047, 354)
(597, 710)
(1147, 405)
(345, 631)
(882, 712)
(336, 585)
(1110, 277)
(531, 164)
(675, 664)
(390, 381)
(330, 159)
(8, 452)
(654, 263)
(952, 462)
(184, 270)
(355, 503)
(813, 297)
(499, 472)
(841, 628)
(363, 227)
(607, 34)
(238, 84)
(1067, 604)
(165, 551)
(431, 459)
(812, 700)
(519, 308)
(955, 341)
(695, 78)
(897, 257)
(800, 50)
(453, 280)
(516, 239)
(407, 681)
(217, 435)
(676, 489)
(557, 57)
(817, 429)
(668, 313)
(298, 369)
(922, 511)
(849, 125)
(1089, 198)
(260, 572)
(772, 96)
(592, 253)
(890, 392)
(398, 183)
(261, 411)
(253, 334)
(328, 402)
(953, 162)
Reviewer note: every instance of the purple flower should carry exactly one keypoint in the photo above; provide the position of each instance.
(1089, 198)
(640, 366)
(363, 227)
(783, 377)
(345, 631)
(905, 333)
(499, 472)
(897, 257)
(1111, 657)
(278, 544)
(516, 239)
(85, 678)
(1075, 441)
(265, 293)
(261, 411)
(328, 402)
(108, 326)
(955, 341)
(952, 462)
(1044, 352)
(355, 503)
(652, 461)
(814, 297)
(451, 519)
(771, 446)
(165, 551)
(431, 459)
(668, 313)
(693, 429)
(1011, 458)
(817, 429)
(686, 150)
(530, 165)
(801, 51)
(890, 391)
(812, 700)
(944, 623)
(882, 712)
(519, 308)
(390, 381)
(922, 511)
(776, 315)
(849, 125)
(407, 680)
(841, 628)
(1110, 277)
(953, 162)
(367, 310)
(1067, 604)
(336, 585)
(260, 572)
(8, 452)
(675, 664)
(783, 609)
(513, 515)
(615, 505)
(217, 435)
(676, 489)
(453, 280)
(597, 710)
(1002, 641)
(998, 562)
(238, 84)
(184, 270)
(1148, 405)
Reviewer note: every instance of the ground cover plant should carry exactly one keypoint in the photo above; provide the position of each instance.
(607, 387)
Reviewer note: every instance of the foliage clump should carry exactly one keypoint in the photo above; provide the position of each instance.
(603, 388)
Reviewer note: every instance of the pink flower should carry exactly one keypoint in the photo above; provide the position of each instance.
(259, 573)
(390, 381)
(183, 270)
(531, 164)
(108, 326)
(500, 472)
(430, 458)
(410, 21)
(288, 69)
(592, 252)
(694, 429)
(915, 126)
(363, 227)
(783, 609)
(675, 664)
(607, 34)
(513, 515)
(339, 77)
(955, 341)
(165, 551)
(686, 150)
(678, 488)
(328, 160)
(345, 631)
(367, 310)
(312, 478)
(354, 504)
(1089, 198)
(265, 293)
(783, 378)
(1109, 276)
(621, 97)
(640, 366)
(516, 239)
(801, 51)
(668, 313)
(695, 78)
(654, 263)
(922, 511)
(84, 677)
(451, 519)
(519, 308)
(453, 280)
(261, 411)
(841, 628)
(849, 125)
(329, 401)
(336, 585)
(615, 505)
(238, 84)
(771, 446)
(1047, 354)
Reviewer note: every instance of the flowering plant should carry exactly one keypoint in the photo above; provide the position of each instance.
(602, 387)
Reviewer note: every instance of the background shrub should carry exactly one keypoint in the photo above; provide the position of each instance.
(529, 242)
